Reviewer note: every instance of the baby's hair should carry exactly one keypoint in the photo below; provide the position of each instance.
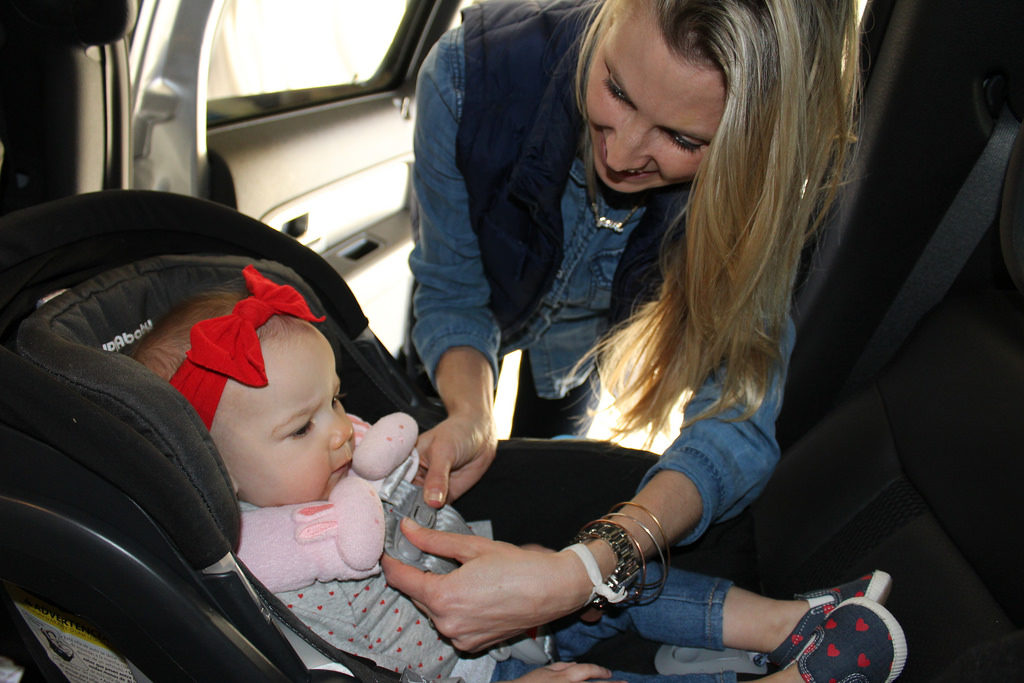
(163, 348)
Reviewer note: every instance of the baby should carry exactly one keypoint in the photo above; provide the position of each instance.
(262, 378)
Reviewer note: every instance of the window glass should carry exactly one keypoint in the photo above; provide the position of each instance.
(275, 47)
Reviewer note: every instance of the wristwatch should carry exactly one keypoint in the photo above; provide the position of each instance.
(628, 560)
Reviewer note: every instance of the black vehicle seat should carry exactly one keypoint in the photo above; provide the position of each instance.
(920, 473)
(937, 75)
(64, 98)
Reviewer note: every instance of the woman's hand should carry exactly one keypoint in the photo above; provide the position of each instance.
(454, 455)
(566, 672)
(500, 589)
(457, 452)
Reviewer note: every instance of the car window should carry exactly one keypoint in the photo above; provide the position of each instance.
(271, 55)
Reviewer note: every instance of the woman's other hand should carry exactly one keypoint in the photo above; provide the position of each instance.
(457, 452)
(499, 591)
(453, 457)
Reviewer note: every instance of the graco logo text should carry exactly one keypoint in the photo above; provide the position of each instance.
(125, 338)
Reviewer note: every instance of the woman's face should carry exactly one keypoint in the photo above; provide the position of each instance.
(651, 114)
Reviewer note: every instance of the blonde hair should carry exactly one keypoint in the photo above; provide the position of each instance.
(767, 179)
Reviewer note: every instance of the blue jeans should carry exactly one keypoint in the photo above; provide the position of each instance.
(688, 613)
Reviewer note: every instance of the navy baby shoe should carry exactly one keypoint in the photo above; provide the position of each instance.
(858, 642)
(874, 586)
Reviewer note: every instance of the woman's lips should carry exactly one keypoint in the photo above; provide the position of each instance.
(626, 176)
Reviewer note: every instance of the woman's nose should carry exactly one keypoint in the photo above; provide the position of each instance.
(626, 146)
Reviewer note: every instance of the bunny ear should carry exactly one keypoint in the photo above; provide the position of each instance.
(229, 347)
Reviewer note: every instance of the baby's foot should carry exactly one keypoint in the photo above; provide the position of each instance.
(858, 641)
(874, 586)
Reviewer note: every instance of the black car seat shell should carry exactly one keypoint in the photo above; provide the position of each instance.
(111, 515)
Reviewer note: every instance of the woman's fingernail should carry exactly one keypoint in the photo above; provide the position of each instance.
(433, 496)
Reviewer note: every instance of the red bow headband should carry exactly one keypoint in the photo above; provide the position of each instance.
(229, 347)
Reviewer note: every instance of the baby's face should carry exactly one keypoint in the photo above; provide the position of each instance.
(290, 441)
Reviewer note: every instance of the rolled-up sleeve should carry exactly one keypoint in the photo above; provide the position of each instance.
(728, 459)
(451, 301)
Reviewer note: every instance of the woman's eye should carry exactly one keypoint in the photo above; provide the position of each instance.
(615, 91)
(683, 142)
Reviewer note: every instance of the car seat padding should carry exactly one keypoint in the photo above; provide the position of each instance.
(82, 336)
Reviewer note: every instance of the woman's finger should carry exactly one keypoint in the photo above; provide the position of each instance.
(459, 547)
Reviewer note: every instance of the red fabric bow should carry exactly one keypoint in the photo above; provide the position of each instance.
(228, 346)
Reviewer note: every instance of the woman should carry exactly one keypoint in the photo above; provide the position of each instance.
(706, 138)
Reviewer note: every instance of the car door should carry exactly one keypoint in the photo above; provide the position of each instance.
(299, 114)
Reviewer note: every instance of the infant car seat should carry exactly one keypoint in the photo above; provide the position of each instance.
(118, 517)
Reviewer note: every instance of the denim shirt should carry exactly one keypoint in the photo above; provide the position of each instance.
(728, 460)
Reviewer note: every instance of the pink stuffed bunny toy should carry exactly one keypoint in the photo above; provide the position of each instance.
(291, 546)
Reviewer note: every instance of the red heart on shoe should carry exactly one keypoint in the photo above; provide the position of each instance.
(862, 625)
(830, 624)
(833, 651)
(797, 639)
(863, 661)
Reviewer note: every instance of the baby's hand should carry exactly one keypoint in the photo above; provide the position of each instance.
(567, 672)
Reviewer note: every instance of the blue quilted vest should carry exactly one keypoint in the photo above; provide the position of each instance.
(517, 140)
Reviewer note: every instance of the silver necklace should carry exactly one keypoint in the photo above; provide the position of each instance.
(603, 222)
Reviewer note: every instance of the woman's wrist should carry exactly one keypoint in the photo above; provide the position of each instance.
(578, 585)
(465, 383)
(613, 552)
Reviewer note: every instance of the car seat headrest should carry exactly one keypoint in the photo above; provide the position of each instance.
(89, 22)
(82, 335)
(1011, 216)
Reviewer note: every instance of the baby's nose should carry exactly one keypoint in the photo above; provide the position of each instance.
(341, 431)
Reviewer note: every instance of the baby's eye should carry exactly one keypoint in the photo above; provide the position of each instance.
(336, 401)
(303, 430)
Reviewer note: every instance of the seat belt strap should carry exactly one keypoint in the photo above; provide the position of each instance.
(972, 212)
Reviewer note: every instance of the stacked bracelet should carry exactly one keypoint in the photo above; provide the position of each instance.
(664, 549)
(627, 580)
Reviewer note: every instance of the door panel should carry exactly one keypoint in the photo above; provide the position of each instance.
(306, 111)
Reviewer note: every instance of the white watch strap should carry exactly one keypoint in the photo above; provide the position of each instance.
(594, 573)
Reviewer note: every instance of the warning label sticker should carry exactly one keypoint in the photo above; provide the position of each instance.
(71, 643)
